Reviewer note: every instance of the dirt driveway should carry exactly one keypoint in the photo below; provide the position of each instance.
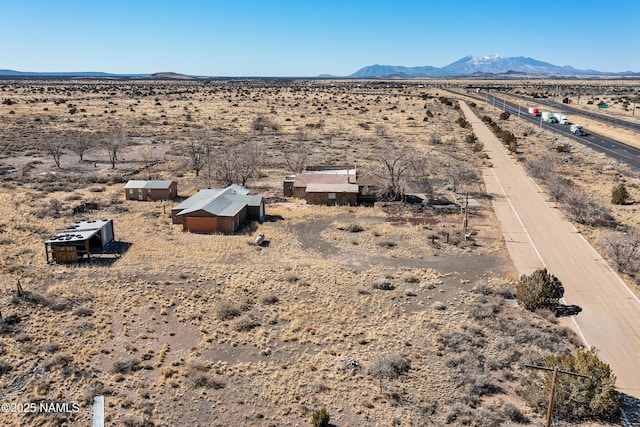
(465, 266)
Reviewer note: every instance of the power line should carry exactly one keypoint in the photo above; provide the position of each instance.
(553, 385)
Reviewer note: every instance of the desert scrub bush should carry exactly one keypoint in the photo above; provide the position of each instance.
(471, 138)
(291, 278)
(538, 290)
(387, 244)
(563, 148)
(439, 305)
(505, 115)
(383, 285)
(320, 418)
(126, 366)
(205, 380)
(354, 228)
(411, 278)
(619, 195)
(512, 413)
(51, 348)
(577, 398)
(389, 367)
(227, 311)
(462, 122)
(446, 101)
(623, 247)
(245, 323)
(83, 312)
(268, 298)
(5, 368)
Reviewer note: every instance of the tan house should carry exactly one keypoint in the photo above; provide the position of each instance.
(218, 210)
(151, 190)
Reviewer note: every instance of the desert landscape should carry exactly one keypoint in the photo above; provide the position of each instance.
(399, 313)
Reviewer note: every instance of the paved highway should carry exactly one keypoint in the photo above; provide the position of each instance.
(617, 150)
(555, 106)
(537, 234)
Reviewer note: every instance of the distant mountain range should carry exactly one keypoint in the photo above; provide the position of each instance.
(93, 74)
(469, 66)
(481, 66)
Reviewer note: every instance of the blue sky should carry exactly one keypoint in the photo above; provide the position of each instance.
(308, 38)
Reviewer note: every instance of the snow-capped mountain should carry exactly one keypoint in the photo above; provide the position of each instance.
(469, 65)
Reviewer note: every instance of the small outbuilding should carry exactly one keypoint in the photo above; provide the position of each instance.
(218, 210)
(151, 190)
(79, 240)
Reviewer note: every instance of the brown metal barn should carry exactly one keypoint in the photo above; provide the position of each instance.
(151, 190)
(80, 239)
(219, 210)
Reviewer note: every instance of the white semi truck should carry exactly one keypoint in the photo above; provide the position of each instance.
(577, 130)
(548, 117)
(561, 118)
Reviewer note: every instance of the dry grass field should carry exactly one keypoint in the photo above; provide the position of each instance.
(381, 323)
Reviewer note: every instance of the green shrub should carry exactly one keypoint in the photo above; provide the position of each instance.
(320, 418)
(576, 398)
(538, 290)
(619, 195)
(471, 138)
(462, 122)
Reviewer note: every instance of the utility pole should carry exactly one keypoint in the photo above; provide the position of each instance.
(552, 393)
(208, 150)
(465, 219)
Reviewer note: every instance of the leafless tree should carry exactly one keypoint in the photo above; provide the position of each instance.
(543, 166)
(381, 130)
(81, 143)
(558, 185)
(224, 164)
(54, 146)
(459, 174)
(237, 163)
(297, 157)
(335, 132)
(149, 158)
(401, 168)
(114, 143)
(198, 148)
(623, 246)
(250, 158)
(262, 123)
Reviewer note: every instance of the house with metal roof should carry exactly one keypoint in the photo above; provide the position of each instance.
(151, 190)
(324, 185)
(79, 240)
(222, 210)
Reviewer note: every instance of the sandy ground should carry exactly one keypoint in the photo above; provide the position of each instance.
(210, 330)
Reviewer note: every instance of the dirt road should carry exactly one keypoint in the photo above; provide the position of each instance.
(537, 234)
